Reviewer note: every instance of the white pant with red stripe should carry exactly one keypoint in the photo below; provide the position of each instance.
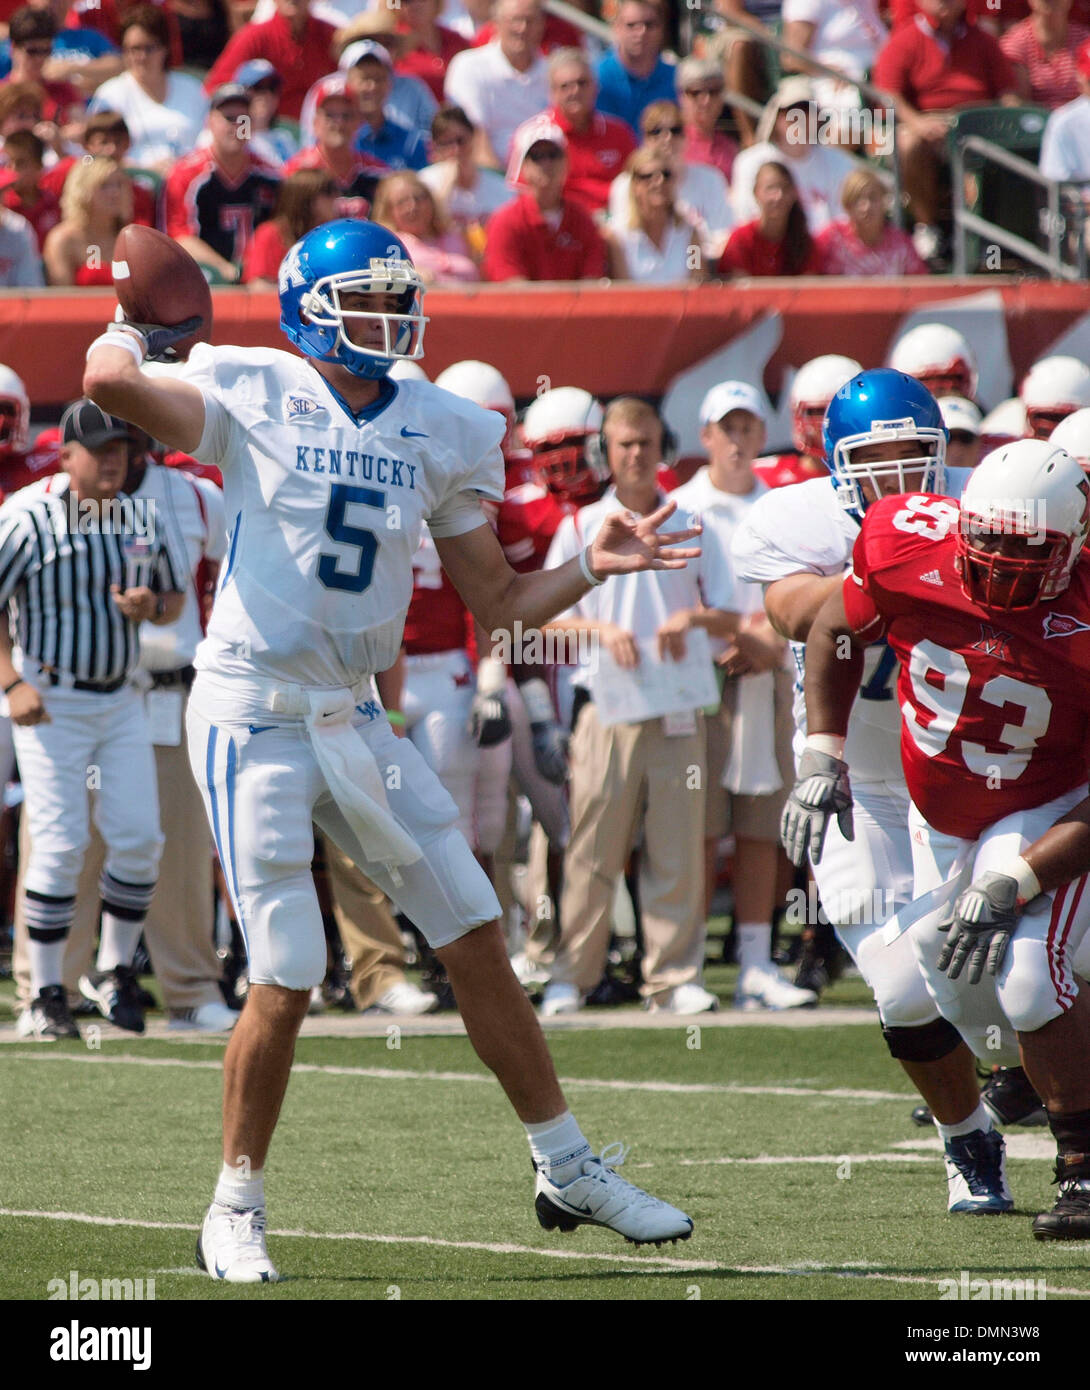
(1036, 982)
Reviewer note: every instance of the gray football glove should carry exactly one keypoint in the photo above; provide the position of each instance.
(489, 722)
(985, 918)
(549, 740)
(159, 339)
(821, 790)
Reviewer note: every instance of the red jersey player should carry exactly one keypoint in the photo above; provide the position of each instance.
(987, 607)
(21, 465)
(814, 386)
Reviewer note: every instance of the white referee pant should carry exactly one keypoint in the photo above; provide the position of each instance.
(1036, 982)
(437, 701)
(264, 791)
(93, 742)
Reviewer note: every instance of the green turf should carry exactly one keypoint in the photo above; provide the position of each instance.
(425, 1157)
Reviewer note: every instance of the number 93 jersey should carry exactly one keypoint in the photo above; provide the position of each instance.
(325, 510)
(995, 705)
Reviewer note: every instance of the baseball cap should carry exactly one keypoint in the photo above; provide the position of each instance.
(230, 91)
(1082, 59)
(733, 395)
(88, 424)
(960, 414)
(537, 130)
(328, 88)
(255, 71)
(364, 48)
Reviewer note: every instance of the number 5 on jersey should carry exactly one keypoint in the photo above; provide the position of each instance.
(330, 573)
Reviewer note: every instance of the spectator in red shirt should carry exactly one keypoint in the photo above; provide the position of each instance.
(299, 47)
(428, 46)
(216, 196)
(933, 66)
(865, 242)
(778, 241)
(337, 118)
(1043, 49)
(306, 199)
(95, 205)
(542, 235)
(31, 34)
(700, 97)
(23, 193)
(106, 134)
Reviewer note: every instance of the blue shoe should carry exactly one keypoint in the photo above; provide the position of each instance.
(976, 1173)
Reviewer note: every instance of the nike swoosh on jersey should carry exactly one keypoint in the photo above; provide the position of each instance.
(407, 433)
(260, 728)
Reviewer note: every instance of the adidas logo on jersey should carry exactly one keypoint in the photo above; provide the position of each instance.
(931, 577)
(1063, 625)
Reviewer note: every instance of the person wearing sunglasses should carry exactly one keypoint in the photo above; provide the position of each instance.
(598, 145)
(655, 244)
(31, 33)
(700, 97)
(703, 197)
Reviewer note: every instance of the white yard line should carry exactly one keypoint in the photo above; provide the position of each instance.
(397, 1074)
(650, 1263)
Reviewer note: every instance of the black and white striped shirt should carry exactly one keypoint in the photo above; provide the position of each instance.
(56, 569)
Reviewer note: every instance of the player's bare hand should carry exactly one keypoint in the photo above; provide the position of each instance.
(626, 544)
(734, 661)
(138, 605)
(621, 646)
(25, 705)
(671, 635)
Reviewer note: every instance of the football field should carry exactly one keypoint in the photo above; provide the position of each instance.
(399, 1172)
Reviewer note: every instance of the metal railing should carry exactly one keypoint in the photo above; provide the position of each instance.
(1056, 224)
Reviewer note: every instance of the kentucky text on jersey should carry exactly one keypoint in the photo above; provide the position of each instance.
(353, 464)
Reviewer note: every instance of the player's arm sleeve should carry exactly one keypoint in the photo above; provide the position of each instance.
(18, 550)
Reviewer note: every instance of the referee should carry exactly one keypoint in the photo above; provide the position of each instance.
(80, 568)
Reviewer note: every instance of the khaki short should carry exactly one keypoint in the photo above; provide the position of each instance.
(751, 817)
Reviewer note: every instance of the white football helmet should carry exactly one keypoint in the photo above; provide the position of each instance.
(1025, 513)
(563, 428)
(478, 382)
(1054, 388)
(1003, 425)
(404, 370)
(1073, 434)
(938, 356)
(14, 411)
(815, 385)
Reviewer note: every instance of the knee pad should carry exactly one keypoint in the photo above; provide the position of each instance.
(285, 942)
(929, 1042)
(1030, 1004)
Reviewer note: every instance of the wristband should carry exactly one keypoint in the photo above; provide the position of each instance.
(114, 337)
(832, 745)
(491, 676)
(588, 574)
(396, 718)
(1029, 885)
(9, 688)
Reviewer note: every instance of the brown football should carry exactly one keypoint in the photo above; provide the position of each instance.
(158, 281)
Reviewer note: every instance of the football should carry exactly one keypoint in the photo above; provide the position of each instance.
(158, 281)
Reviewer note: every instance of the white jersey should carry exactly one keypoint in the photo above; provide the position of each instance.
(799, 529)
(325, 510)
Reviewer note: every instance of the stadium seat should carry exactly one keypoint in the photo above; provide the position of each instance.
(994, 193)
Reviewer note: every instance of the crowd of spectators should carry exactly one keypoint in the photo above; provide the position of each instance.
(646, 172)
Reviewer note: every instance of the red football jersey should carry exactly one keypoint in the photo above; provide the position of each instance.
(208, 471)
(21, 467)
(437, 617)
(780, 470)
(995, 705)
(529, 515)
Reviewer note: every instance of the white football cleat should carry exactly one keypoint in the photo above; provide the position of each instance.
(763, 987)
(231, 1246)
(212, 1017)
(685, 999)
(561, 998)
(406, 998)
(976, 1173)
(601, 1197)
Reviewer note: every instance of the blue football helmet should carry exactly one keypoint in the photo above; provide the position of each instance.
(883, 406)
(351, 256)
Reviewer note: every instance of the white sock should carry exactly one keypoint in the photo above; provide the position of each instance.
(559, 1147)
(754, 944)
(119, 941)
(234, 1190)
(979, 1119)
(46, 960)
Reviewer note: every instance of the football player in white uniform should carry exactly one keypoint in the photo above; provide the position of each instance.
(797, 541)
(331, 472)
(1054, 388)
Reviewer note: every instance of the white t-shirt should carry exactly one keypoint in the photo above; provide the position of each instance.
(326, 509)
(493, 94)
(20, 263)
(653, 265)
(159, 131)
(819, 176)
(1065, 146)
(803, 529)
(843, 30)
(466, 205)
(191, 512)
(703, 198)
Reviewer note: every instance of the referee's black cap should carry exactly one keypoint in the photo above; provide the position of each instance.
(88, 424)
